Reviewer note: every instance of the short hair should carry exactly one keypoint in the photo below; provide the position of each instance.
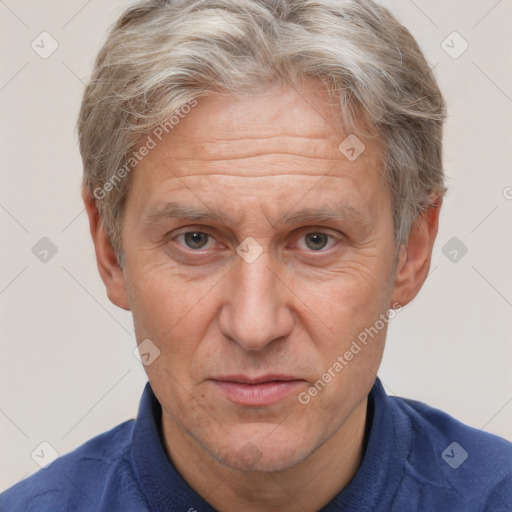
(161, 56)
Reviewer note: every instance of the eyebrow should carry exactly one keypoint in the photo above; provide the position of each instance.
(344, 212)
(173, 210)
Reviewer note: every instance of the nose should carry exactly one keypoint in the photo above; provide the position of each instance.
(257, 305)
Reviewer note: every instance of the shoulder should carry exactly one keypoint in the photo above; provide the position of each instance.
(456, 459)
(79, 479)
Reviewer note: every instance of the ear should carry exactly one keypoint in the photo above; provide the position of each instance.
(414, 258)
(106, 258)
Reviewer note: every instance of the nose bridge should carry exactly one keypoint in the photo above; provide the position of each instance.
(255, 312)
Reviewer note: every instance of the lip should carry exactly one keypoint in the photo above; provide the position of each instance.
(257, 391)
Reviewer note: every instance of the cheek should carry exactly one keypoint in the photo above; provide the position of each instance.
(347, 298)
(171, 312)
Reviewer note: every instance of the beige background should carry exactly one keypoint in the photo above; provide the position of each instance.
(67, 365)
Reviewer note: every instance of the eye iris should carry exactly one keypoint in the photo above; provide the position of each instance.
(196, 240)
(318, 241)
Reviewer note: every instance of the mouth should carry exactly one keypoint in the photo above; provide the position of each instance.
(263, 390)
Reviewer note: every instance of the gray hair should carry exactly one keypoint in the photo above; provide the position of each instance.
(162, 55)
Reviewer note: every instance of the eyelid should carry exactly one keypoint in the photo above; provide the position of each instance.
(189, 229)
(324, 230)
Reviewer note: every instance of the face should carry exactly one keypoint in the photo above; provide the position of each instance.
(255, 253)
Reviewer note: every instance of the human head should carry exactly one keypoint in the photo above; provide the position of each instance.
(258, 146)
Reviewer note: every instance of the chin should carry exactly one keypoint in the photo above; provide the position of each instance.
(257, 453)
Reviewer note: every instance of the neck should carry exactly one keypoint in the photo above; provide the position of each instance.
(309, 485)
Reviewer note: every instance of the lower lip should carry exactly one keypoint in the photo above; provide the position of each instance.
(265, 393)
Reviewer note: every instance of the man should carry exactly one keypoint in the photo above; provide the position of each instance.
(263, 180)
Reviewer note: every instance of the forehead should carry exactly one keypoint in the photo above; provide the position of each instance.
(274, 147)
(282, 120)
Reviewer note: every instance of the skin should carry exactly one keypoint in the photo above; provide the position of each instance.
(292, 311)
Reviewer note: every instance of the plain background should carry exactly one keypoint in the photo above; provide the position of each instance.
(67, 366)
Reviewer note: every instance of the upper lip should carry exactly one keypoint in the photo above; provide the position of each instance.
(245, 379)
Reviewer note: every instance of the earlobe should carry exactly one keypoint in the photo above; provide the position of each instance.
(414, 258)
(106, 257)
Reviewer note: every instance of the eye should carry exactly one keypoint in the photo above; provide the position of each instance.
(194, 239)
(316, 241)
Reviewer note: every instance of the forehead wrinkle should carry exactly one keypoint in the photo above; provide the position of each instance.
(314, 146)
(307, 147)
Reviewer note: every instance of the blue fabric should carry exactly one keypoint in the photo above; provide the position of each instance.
(410, 464)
